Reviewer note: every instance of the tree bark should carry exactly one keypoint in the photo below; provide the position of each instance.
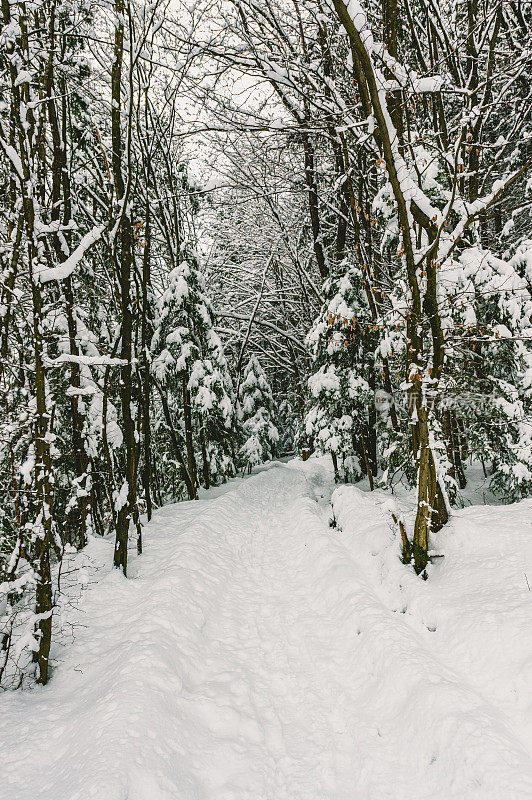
(189, 440)
(125, 263)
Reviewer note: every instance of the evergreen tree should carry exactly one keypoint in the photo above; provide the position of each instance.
(341, 398)
(256, 412)
(189, 361)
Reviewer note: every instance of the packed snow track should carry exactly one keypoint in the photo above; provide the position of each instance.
(256, 653)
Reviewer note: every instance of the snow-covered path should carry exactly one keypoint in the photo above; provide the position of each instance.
(258, 654)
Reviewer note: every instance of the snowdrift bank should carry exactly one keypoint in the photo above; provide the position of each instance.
(258, 654)
(453, 672)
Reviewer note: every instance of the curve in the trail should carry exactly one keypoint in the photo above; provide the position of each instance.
(255, 654)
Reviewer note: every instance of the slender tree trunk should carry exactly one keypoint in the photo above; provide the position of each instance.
(205, 460)
(310, 178)
(189, 440)
(335, 467)
(80, 509)
(367, 464)
(420, 544)
(146, 384)
(125, 274)
(448, 437)
(41, 561)
(372, 425)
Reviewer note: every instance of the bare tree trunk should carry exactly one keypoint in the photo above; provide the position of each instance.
(80, 510)
(367, 464)
(146, 385)
(420, 545)
(41, 561)
(205, 460)
(310, 178)
(189, 441)
(335, 467)
(125, 273)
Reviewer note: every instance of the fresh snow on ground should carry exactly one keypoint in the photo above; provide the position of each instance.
(257, 653)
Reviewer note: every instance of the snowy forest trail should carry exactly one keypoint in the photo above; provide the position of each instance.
(256, 653)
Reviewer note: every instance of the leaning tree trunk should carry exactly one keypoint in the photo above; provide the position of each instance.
(387, 142)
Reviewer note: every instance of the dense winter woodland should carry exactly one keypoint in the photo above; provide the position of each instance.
(265, 399)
